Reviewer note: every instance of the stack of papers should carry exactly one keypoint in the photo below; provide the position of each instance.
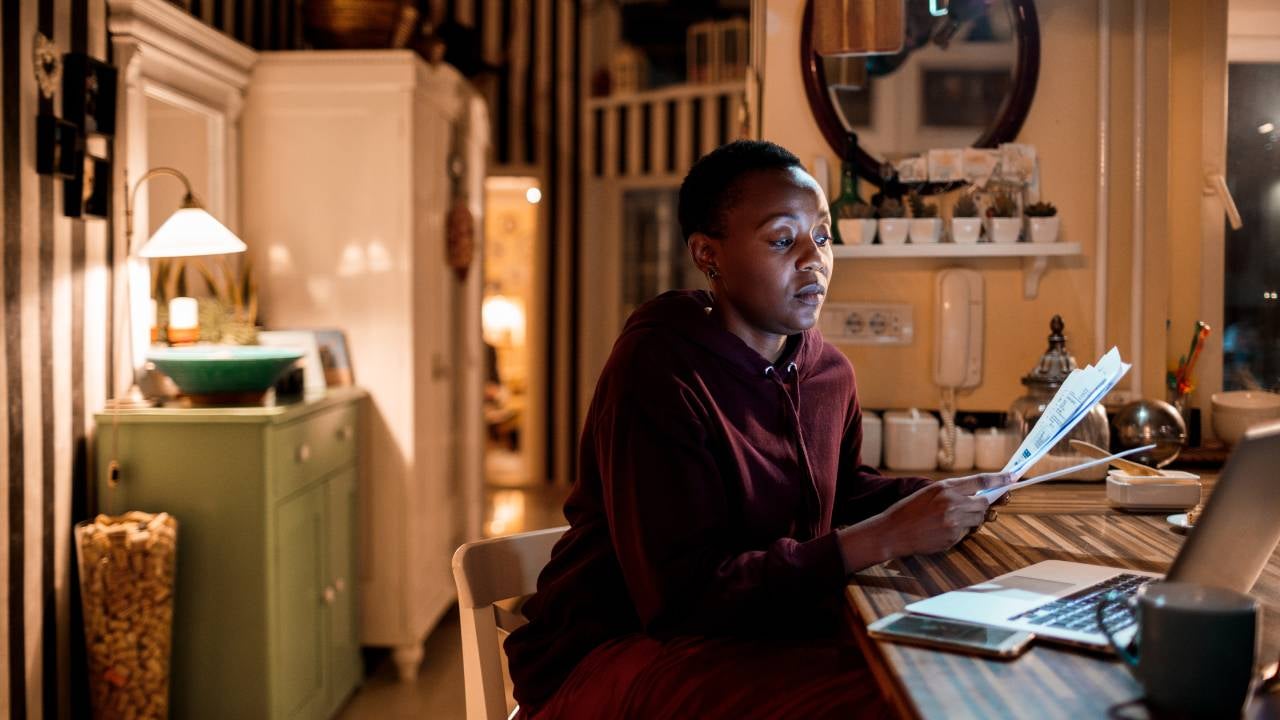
(1083, 388)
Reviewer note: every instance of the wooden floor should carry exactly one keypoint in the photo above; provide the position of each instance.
(437, 693)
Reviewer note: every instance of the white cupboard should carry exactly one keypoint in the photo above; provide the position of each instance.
(346, 188)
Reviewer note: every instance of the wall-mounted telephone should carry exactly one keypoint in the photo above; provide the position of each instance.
(957, 347)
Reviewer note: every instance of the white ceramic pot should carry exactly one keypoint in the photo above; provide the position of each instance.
(893, 231)
(1004, 230)
(910, 440)
(1236, 411)
(925, 230)
(857, 231)
(992, 448)
(966, 230)
(1043, 229)
(872, 437)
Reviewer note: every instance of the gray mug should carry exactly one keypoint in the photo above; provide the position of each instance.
(1194, 650)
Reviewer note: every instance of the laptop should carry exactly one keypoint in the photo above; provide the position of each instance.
(1057, 600)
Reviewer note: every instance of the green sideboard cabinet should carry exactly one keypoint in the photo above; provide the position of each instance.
(265, 610)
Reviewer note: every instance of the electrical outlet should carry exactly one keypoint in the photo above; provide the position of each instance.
(867, 323)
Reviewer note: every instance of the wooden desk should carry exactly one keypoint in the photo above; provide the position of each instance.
(1045, 522)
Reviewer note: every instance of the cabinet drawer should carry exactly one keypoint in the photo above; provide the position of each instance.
(307, 450)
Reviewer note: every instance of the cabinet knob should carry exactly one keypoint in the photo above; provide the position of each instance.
(329, 595)
(304, 453)
(340, 584)
(346, 433)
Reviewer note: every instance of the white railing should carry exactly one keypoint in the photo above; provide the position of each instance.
(655, 135)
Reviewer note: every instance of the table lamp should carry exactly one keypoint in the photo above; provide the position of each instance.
(189, 231)
(502, 321)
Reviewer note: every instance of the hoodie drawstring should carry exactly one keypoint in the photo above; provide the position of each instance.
(793, 406)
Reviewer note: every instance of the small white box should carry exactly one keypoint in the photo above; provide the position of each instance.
(1173, 490)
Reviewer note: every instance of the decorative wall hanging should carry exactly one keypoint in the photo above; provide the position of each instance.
(89, 94)
(89, 193)
(47, 64)
(461, 238)
(59, 147)
(460, 226)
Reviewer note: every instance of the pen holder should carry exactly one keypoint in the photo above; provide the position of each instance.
(1181, 401)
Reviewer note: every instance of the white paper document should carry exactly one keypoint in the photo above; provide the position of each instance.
(995, 494)
(1082, 389)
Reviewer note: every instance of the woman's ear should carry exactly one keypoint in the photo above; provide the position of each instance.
(705, 251)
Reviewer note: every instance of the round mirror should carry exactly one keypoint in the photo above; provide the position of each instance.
(964, 78)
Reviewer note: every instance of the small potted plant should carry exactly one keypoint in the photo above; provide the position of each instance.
(1042, 222)
(893, 222)
(966, 227)
(1003, 223)
(856, 224)
(926, 226)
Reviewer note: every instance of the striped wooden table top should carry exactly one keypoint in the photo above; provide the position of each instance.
(1046, 522)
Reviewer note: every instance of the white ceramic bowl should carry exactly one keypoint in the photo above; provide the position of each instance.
(893, 231)
(857, 231)
(1235, 411)
(966, 230)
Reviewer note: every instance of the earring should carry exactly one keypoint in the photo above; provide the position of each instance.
(713, 273)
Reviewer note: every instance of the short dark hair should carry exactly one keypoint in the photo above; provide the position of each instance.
(710, 189)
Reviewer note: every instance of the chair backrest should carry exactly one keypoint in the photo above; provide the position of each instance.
(487, 571)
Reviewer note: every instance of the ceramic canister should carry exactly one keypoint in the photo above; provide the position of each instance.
(992, 448)
(871, 438)
(910, 440)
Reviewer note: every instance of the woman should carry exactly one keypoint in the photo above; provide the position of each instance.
(722, 504)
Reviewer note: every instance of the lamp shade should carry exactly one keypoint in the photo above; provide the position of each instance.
(191, 231)
(502, 321)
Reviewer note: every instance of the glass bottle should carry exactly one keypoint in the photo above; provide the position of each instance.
(1042, 383)
(848, 196)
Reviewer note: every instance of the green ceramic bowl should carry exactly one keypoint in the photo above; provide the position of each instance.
(222, 369)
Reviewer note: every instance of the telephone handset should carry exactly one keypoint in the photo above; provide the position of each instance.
(957, 347)
(957, 350)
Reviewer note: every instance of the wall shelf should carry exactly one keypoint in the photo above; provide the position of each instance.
(1035, 256)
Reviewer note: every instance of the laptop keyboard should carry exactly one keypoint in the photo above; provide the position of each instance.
(1079, 610)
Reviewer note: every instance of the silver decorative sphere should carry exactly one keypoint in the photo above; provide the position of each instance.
(1144, 422)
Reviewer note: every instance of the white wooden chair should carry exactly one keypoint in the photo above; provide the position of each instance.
(487, 571)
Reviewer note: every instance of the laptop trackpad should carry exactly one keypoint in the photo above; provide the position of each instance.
(1020, 587)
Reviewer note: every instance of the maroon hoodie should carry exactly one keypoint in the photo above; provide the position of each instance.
(711, 483)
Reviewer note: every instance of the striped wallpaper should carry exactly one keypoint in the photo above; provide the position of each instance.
(57, 283)
(56, 286)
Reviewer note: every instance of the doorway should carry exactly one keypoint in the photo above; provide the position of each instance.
(510, 240)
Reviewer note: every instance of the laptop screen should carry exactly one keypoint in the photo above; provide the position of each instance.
(1240, 525)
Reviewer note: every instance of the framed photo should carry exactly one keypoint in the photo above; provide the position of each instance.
(305, 340)
(89, 94)
(59, 147)
(97, 195)
(90, 192)
(334, 357)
